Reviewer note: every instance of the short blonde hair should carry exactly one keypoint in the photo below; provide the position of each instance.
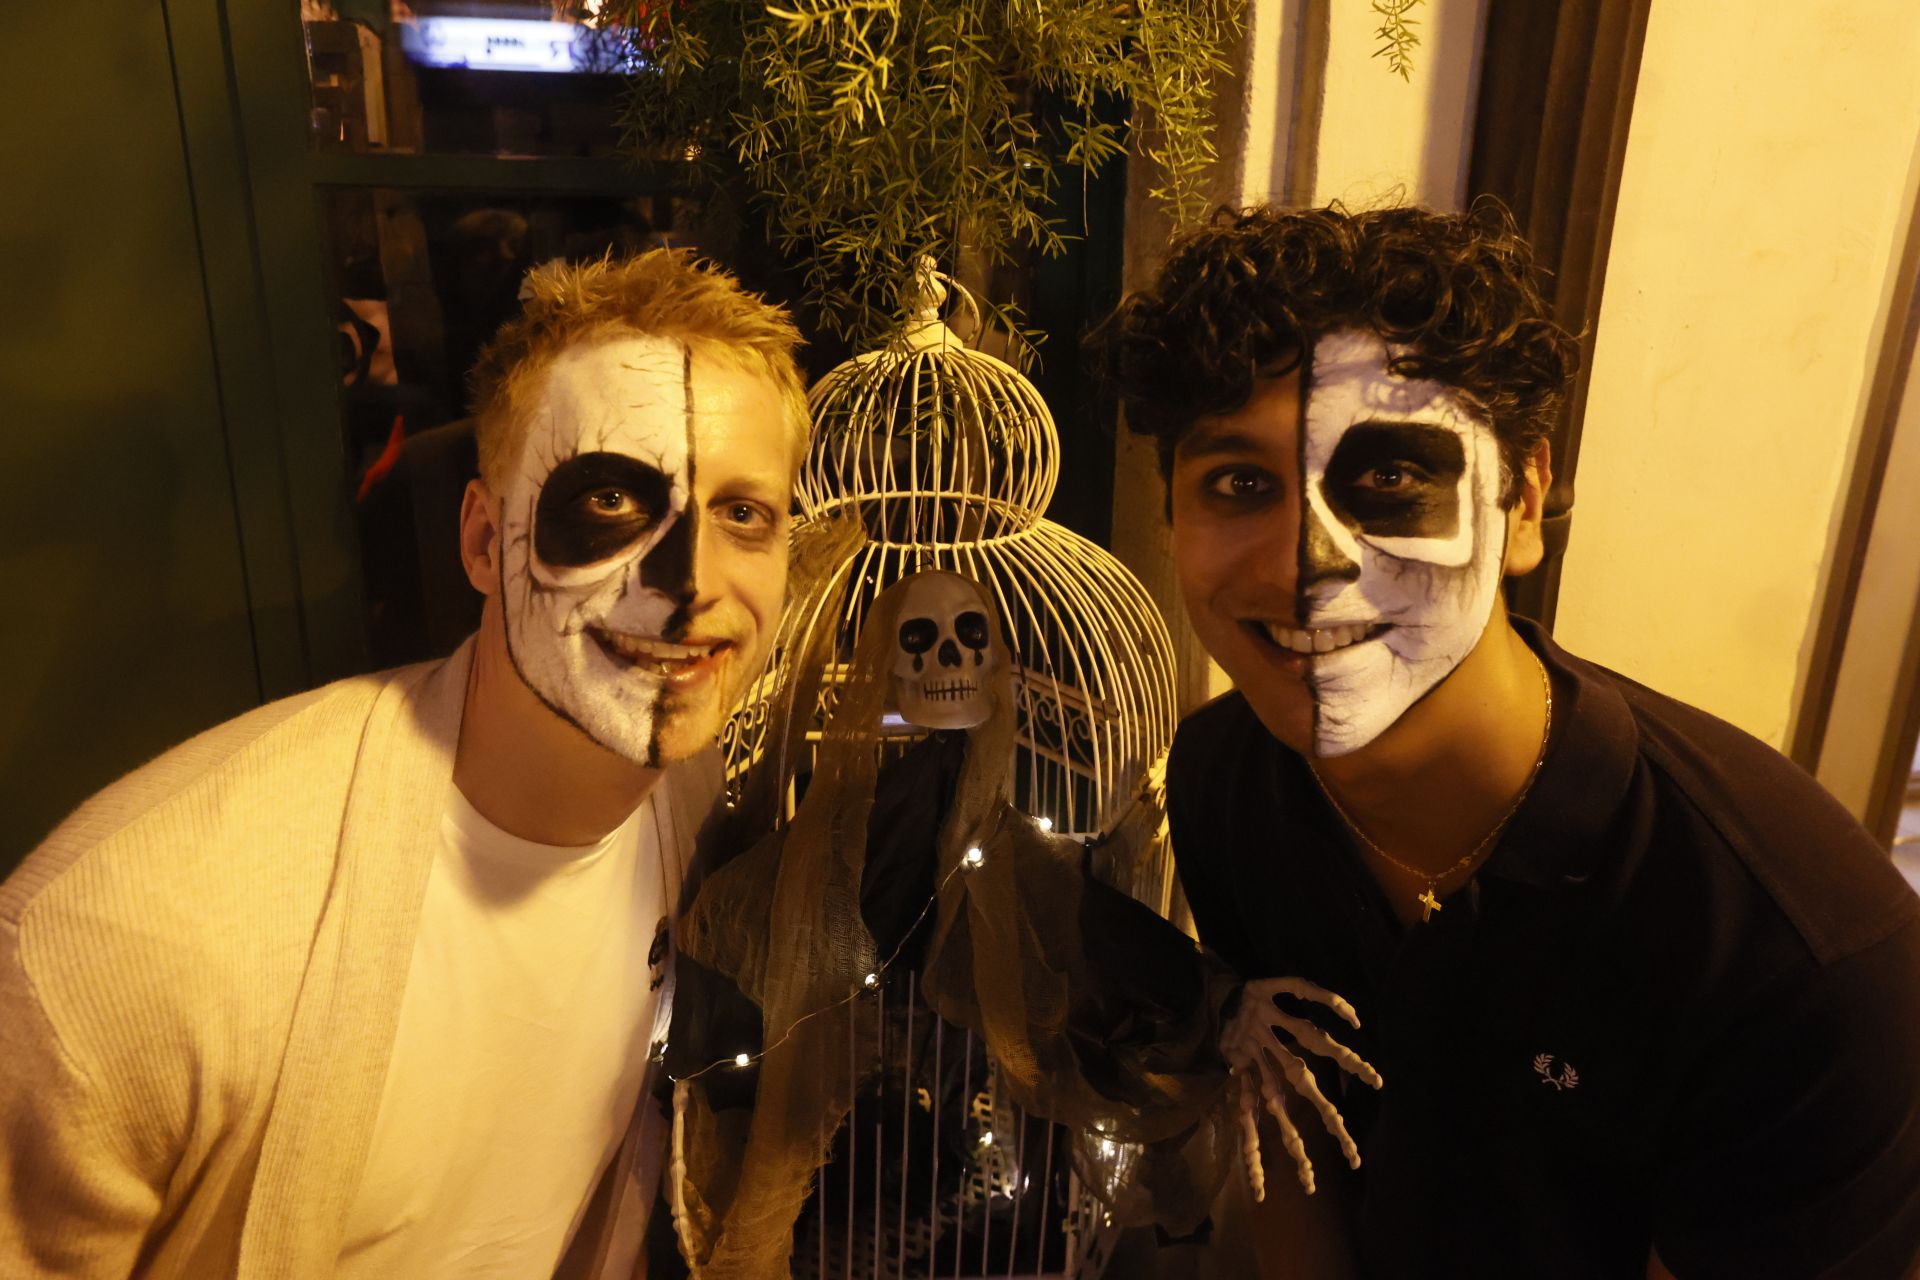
(663, 293)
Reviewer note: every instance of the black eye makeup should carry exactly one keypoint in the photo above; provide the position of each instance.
(971, 629)
(1397, 479)
(918, 634)
(596, 505)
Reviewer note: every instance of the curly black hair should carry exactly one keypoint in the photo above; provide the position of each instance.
(1248, 294)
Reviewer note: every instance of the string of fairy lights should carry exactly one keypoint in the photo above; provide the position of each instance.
(972, 860)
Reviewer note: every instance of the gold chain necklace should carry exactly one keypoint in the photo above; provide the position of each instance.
(1429, 903)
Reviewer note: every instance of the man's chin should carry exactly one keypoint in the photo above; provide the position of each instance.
(1286, 713)
(674, 742)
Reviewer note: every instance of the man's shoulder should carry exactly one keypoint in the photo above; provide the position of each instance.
(1750, 804)
(266, 768)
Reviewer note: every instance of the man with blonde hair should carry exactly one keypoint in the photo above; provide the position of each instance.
(367, 982)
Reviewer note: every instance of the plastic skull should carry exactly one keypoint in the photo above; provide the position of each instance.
(946, 653)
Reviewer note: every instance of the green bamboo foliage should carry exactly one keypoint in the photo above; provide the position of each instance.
(880, 131)
(1396, 35)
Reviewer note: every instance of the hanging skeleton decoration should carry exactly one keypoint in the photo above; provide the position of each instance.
(947, 655)
(598, 545)
(1102, 1016)
(1402, 540)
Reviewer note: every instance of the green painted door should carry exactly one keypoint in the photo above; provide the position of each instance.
(119, 551)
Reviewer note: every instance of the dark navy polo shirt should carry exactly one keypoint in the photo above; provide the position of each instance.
(1677, 1008)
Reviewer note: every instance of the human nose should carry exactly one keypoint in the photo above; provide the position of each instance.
(1322, 562)
(672, 566)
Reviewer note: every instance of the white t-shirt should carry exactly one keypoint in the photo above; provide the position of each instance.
(523, 1037)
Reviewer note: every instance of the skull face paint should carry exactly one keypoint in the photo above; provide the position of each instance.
(945, 654)
(597, 567)
(1401, 543)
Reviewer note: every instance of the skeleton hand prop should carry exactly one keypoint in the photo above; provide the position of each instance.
(1253, 1051)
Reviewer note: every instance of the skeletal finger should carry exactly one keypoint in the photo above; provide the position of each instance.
(1314, 1040)
(1250, 1139)
(1274, 1094)
(1300, 1076)
(1270, 987)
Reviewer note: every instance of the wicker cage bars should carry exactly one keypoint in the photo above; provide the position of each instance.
(1103, 686)
(932, 446)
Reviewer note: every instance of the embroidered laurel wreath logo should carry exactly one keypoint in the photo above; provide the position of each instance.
(1567, 1077)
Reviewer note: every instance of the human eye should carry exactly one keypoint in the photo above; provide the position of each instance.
(1238, 484)
(1392, 477)
(610, 503)
(751, 521)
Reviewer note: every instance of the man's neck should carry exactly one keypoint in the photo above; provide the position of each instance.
(529, 772)
(1433, 786)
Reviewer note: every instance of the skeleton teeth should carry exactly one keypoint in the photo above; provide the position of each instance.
(951, 690)
(1317, 639)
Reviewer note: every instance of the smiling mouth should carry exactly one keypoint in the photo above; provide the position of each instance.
(662, 658)
(1313, 641)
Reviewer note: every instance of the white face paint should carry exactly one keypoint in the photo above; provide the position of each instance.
(598, 545)
(1404, 536)
(945, 653)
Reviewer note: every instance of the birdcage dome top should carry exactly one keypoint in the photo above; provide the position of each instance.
(927, 440)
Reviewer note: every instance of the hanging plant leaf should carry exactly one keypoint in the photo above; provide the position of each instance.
(878, 132)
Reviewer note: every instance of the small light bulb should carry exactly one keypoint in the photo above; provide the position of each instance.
(975, 857)
(1046, 824)
(741, 1060)
(872, 980)
(986, 1139)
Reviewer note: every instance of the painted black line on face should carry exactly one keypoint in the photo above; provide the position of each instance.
(596, 505)
(1320, 558)
(669, 567)
(1397, 480)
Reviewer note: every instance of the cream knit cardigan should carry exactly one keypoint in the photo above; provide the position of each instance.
(200, 980)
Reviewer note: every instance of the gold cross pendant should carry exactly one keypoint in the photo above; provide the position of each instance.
(1428, 905)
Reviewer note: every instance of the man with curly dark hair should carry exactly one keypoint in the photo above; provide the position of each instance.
(1624, 968)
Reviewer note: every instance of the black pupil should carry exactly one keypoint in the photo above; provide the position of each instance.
(918, 634)
(971, 627)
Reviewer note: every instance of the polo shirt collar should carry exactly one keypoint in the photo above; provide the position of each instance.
(1558, 836)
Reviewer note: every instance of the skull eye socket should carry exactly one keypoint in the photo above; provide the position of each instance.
(918, 634)
(595, 506)
(1397, 479)
(971, 628)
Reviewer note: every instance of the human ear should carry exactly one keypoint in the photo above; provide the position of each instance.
(480, 537)
(1526, 546)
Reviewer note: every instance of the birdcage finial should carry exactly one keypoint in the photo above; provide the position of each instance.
(923, 301)
(928, 294)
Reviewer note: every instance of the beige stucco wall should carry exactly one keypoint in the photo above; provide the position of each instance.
(1383, 138)
(1764, 188)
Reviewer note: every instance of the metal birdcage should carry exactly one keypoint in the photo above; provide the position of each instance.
(948, 458)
